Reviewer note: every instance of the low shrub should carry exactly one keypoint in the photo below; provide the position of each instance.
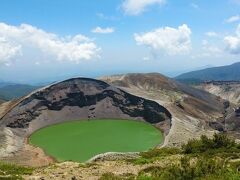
(189, 169)
(11, 171)
(160, 152)
(219, 144)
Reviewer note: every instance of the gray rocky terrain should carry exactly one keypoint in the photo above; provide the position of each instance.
(230, 91)
(192, 110)
(73, 99)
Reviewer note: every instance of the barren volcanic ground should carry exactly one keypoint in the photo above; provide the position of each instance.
(229, 90)
(192, 110)
(78, 99)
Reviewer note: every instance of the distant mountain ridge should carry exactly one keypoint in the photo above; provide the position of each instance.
(9, 91)
(222, 73)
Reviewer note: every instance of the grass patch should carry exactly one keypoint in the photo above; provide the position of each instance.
(13, 172)
(111, 176)
(202, 159)
(189, 169)
(154, 154)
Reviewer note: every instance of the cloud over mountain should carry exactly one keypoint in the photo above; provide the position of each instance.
(8, 50)
(233, 42)
(169, 40)
(25, 39)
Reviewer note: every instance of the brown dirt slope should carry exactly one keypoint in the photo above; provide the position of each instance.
(192, 109)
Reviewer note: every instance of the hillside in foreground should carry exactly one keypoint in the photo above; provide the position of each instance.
(204, 159)
(179, 111)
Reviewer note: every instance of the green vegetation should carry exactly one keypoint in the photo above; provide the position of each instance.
(111, 176)
(189, 169)
(13, 172)
(203, 159)
(154, 154)
(81, 140)
(219, 145)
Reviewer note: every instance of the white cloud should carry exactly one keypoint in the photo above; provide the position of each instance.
(136, 7)
(103, 30)
(233, 42)
(238, 31)
(194, 5)
(211, 34)
(233, 19)
(169, 40)
(8, 51)
(46, 45)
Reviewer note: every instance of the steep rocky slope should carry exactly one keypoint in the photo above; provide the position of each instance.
(192, 109)
(73, 99)
(229, 90)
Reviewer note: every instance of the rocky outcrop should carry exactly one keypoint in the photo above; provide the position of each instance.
(230, 123)
(81, 98)
(230, 92)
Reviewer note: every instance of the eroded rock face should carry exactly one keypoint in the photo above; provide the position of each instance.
(228, 90)
(230, 123)
(77, 99)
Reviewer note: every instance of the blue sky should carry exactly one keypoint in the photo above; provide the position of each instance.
(43, 40)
